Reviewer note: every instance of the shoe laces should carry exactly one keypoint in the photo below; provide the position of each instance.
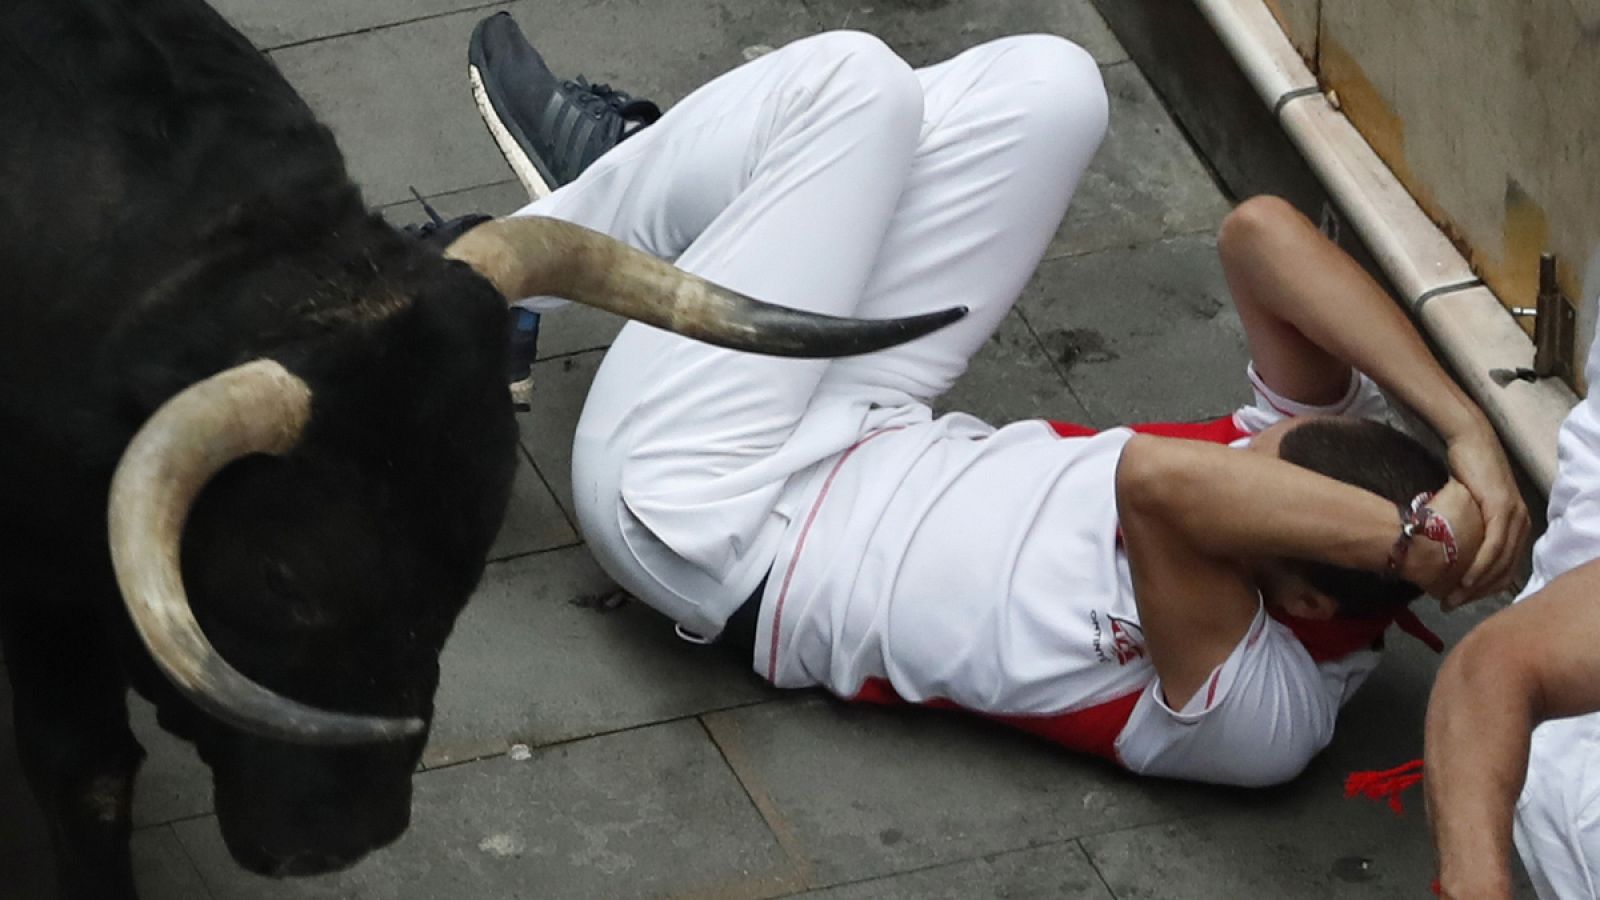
(598, 99)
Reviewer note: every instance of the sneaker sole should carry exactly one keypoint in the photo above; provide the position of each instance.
(522, 394)
(528, 170)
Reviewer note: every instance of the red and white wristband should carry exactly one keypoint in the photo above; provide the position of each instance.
(1419, 518)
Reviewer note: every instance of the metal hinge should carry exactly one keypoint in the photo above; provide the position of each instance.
(1555, 326)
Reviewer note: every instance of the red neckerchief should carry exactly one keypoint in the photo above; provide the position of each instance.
(1336, 638)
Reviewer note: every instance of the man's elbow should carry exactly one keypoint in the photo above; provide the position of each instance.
(1145, 477)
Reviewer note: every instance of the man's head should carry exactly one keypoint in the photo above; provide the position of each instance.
(1369, 455)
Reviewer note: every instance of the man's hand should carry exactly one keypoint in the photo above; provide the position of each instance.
(1479, 463)
(1426, 564)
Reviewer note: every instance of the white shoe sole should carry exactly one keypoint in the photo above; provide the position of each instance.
(519, 162)
(522, 393)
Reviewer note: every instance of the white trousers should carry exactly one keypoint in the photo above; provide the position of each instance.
(1558, 815)
(829, 176)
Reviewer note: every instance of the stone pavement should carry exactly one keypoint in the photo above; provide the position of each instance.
(660, 768)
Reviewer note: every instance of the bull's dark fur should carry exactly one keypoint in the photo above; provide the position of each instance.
(170, 208)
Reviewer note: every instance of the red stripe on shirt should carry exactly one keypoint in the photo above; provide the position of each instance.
(1093, 729)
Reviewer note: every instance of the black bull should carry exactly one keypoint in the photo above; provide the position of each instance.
(171, 210)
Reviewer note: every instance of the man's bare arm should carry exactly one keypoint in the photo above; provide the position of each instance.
(1532, 662)
(1310, 313)
(1194, 514)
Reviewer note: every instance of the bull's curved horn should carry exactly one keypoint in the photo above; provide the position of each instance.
(539, 256)
(258, 407)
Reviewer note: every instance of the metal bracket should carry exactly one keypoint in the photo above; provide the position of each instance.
(1555, 326)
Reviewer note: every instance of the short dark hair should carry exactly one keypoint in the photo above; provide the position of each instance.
(1375, 457)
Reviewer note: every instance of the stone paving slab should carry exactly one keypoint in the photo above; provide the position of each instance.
(536, 658)
(499, 198)
(398, 101)
(559, 388)
(1056, 872)
(1010, 379)
(399, 104)
(1302, 840)
(859, 792)
(1261, 853)
(533, 520)
(1143, 334)
(651, 812)
(272, 25)
(1145, 183)
(173, 783)
(161, 867)
(929, 31)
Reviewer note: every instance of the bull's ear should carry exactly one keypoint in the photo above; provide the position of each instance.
(536, 256)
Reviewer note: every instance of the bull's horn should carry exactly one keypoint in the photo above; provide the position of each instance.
(254, 408)
(538, 256)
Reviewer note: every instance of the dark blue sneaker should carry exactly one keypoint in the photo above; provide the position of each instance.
(548, 130)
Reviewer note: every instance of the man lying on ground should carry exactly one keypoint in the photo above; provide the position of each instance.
(1195, 608)
(1535, 662)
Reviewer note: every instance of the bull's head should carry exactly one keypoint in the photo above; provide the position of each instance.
(317, 577)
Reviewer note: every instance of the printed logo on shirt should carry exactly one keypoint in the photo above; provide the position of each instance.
(1119, 639)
